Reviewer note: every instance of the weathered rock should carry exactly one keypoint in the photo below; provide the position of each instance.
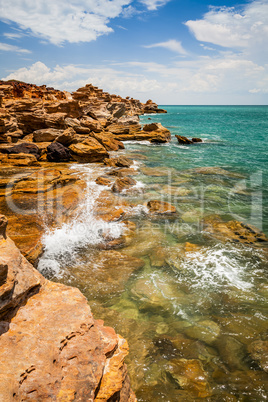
(50, 344)
(183, 140)
(103, 181)
(89, 150)
(160, 207)
(18, 160)
(46, 134)
(121, 161)
(259, 352)
(57, 152)
(121, 172)
(108, 141)
(67, 137)
(233, 231)
(24, 148)
(123, 184)
(190, 375)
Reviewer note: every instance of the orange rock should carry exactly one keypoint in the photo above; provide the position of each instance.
(160, 207)
(123, 184)
(103, 181)
(89, 150)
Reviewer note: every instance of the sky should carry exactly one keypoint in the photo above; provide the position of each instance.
(180, 52)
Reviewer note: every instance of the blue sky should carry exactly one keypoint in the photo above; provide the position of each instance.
(172, 51)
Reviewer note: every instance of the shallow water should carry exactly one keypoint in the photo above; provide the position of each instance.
(189, 304)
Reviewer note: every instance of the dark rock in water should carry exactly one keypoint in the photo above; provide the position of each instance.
(183, 140)
(57, 152)
(24, 148)
(123, 184)
(196, 139)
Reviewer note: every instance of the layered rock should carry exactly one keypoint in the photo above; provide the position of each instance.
(51, 347)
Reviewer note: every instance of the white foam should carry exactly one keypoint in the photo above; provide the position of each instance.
(62, 244)
(218, 267)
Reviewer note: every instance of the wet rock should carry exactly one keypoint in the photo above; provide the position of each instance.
(232, 352)
(124, 183)
(121, 161)
(89, 150)
(57, 152)
(160, 207)
(196, 139)
(121, 172)
(183, 140)
(233, 231)
(103, 181)
(190, 375)
(259, 352)
(18, 160)
(109, 271)
(206, 331)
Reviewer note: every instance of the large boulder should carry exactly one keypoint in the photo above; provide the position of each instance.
(46, 134)
(57, 152)
(89, 150)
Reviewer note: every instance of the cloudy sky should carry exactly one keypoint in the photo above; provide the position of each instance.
(173, 51)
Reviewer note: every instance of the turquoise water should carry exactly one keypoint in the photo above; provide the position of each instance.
(235, 138)
(192, 306)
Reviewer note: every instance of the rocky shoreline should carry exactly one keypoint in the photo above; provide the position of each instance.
(52, 348)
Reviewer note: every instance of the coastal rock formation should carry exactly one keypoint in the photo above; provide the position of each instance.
(50, 345)
(186, 141)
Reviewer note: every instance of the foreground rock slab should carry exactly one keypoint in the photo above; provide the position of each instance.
(51, 348)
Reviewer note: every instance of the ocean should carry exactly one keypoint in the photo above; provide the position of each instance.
(195, 311)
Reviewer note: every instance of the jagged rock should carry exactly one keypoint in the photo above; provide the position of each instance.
(183, 140)
(76, 125)
(160, 207)
(108, 141)
(57, 152)
(92, 124)
(46, 134)
(89, 150)
(124, 183)
(24, 148)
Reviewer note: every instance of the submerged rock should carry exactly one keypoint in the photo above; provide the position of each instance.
(234, 231)
(190, 375)
(160, 207)
(259, 352)
(123, 184)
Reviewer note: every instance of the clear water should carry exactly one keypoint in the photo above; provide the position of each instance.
(196, 299)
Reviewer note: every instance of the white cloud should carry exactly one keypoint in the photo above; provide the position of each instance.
(71, 77)
(154, 4)
(58, 21)
(246, 30)
(172, 44)
(11, 48)
(12, 35)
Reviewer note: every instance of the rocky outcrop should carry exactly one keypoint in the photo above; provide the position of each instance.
(186, 141)
(89, 150)
(51, 347)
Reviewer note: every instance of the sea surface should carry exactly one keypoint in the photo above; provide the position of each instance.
(195, 314)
